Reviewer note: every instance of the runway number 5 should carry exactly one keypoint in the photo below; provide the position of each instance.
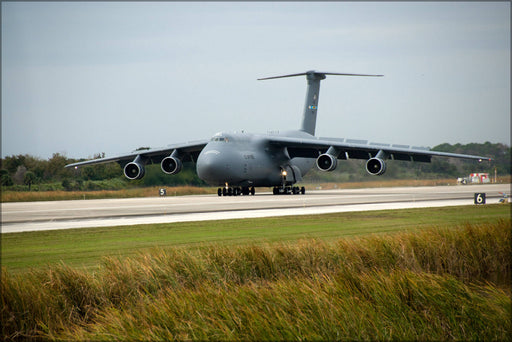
(162, 192)
(479, 198)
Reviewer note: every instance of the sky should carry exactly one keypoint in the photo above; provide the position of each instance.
(85, 78)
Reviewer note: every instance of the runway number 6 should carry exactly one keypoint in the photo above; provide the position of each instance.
(479, 198)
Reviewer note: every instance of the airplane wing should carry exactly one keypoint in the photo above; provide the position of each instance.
(359, 149)
(189, 151)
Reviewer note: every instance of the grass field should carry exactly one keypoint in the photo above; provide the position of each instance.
(419, 274)
(86, 247)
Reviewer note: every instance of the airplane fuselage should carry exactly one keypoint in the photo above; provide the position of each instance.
(246, 160)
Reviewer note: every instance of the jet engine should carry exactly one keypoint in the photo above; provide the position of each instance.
(171, 165)
(375, 166)
(326, 162)
(134, 170)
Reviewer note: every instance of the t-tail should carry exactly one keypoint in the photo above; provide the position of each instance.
(312, 93)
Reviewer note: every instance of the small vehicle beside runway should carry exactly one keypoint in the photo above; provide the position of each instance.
(504, 199)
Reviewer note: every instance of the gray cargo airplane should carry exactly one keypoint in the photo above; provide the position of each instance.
(241, 161)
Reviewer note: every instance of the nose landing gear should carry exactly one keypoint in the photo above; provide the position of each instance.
(228, 191)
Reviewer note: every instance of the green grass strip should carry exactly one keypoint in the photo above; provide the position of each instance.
(86, 247)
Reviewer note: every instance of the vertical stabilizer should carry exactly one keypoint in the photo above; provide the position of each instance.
(312, 93)
(311, 105)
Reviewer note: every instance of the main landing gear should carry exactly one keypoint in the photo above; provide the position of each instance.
(278, 190)
(287, 190)
(227, 191)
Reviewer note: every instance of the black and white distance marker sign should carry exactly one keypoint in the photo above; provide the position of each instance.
(480, 198)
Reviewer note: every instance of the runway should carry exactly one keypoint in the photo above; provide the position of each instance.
(38, 216)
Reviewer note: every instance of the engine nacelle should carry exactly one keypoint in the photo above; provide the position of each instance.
(375, 166)
(134, 170)
(326, 162)
(171, 165)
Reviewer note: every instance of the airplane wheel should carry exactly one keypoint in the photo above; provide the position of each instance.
(230, 192)
(253, 191)
(224, 192)
(219, 191)
(303, 190)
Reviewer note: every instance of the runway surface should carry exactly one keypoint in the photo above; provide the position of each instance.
(34, 216)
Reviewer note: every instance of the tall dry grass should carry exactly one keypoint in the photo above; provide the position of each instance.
(434, 284)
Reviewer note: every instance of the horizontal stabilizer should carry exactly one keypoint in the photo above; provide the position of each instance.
(317, 73)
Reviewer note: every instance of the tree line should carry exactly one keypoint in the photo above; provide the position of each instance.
(26, 172)
(439, 168)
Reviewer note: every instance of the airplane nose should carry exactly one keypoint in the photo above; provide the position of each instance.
(211, 168)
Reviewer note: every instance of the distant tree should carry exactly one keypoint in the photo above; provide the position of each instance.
(55, 167)
(79, 184)
(11, 163)
(66, 184)
(112, 170)
(29, 178)
(5, 178)
(90, 172)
